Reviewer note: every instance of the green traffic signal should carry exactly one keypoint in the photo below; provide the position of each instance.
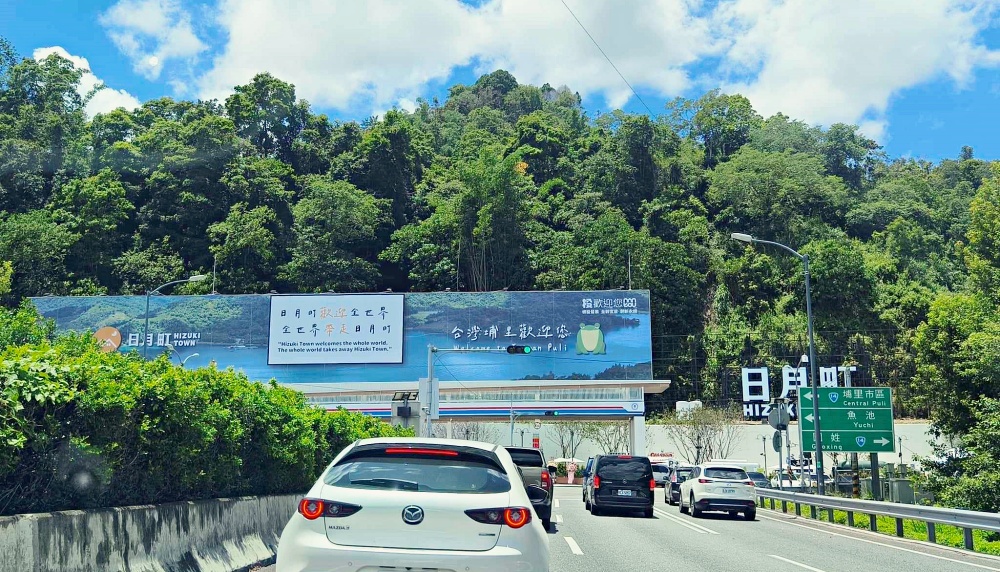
(519, 349)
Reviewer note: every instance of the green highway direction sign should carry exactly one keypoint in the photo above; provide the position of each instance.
(852, 420)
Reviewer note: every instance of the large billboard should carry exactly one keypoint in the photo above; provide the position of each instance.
(324, 329)
(573, 335)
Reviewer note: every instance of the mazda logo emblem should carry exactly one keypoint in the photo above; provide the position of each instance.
(413, 514)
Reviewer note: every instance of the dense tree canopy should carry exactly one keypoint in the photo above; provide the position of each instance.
(513, 186)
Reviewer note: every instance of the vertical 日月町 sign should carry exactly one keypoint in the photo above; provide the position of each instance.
(335, 328)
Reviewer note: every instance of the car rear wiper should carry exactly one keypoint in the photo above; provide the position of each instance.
(388, 484)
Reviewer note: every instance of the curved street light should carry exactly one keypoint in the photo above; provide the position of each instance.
(145, 331)
(817, 436)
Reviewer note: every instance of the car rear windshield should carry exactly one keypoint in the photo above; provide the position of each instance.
(758, 476)
(660, 469)
(634, 468)
(526, 458)
(419, 473)
(726, 473)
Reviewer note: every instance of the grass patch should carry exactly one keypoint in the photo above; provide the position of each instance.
(947, 535)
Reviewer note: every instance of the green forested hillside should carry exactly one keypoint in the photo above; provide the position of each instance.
(504, 185)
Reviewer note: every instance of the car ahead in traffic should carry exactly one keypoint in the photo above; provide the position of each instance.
(678, 474)
(661, 473)
(719, 487)
(417, 503)
(534, 471)
(588, 473)
(759, 479)
(621, 482)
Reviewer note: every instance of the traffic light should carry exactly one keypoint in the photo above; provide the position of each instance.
(519, 349)
(551, 413)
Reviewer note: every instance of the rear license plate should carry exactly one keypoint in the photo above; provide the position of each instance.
(623, 493)
(728, 491)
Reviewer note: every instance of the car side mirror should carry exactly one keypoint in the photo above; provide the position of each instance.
(536, 493)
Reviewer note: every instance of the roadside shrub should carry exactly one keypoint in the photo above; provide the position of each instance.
(80, 428)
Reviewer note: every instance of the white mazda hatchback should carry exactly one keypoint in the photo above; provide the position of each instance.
(416, 504)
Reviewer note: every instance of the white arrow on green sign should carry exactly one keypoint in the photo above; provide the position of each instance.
(852, 419)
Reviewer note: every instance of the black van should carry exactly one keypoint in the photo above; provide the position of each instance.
(621, 482)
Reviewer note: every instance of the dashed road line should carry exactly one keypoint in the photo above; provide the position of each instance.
(799, 564)
(573, 546)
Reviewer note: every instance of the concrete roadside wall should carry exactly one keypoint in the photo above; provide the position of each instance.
(199, 536)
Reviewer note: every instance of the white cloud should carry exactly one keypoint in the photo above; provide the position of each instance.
(406, 104)
(104, 100)
(822, 61)
(827, 61)
(152, 33)
(875, 129)
(651, 43)
(337, 52)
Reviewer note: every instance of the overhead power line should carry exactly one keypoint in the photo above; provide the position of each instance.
(584, 28)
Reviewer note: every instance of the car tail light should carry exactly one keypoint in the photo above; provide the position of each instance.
(705, 481)
(652, 484)
(415, 451)
(597, 482)
(546, 480)
(315, 508)
(624, 456)
(750, 482)
(514, 517)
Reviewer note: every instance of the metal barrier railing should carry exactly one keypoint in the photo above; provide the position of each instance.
(967, 520)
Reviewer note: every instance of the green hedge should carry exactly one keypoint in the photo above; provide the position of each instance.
(80, 428)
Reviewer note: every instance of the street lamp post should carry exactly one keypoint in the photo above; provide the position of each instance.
(763, 442)
(813, 382)
(145, 331)
(802, 453)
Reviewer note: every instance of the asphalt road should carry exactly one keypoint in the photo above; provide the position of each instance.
(774, 543)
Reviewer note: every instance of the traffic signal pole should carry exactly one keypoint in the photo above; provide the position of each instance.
(430, 402)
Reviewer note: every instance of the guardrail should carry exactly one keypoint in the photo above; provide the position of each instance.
(967, 520)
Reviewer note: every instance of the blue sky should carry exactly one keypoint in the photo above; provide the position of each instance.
(922, 77)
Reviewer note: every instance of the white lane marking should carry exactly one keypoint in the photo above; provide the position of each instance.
(693, 526)
(556, 503)
(573, 545)
(799, 564)
(825, 531)
(557, 519)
